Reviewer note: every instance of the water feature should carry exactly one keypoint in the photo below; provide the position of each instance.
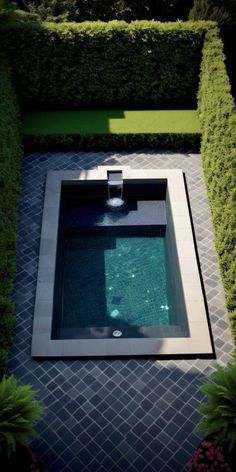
(115, 189)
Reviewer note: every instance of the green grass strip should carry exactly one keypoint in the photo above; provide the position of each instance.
(111, 122)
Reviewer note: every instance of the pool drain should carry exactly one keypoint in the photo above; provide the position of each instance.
(117, 333)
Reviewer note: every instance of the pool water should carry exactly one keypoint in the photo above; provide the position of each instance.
(115, 281)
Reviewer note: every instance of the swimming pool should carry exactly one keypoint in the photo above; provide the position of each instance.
(123, 281)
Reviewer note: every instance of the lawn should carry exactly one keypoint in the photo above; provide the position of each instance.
(111, 122)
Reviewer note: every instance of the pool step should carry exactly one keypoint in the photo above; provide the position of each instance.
(103, 332)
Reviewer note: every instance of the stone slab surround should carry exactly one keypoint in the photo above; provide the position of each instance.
(198, 342)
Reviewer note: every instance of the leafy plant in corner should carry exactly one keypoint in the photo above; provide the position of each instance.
(219, 409)
(217, 451)
(19, 410)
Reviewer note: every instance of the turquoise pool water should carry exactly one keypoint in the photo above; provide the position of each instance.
(115, 281)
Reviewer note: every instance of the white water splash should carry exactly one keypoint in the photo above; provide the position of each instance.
(115, 202)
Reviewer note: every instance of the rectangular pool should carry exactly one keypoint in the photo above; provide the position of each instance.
(118, 282)
(115, 281)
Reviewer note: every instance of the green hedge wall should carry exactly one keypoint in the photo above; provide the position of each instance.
(107, 65)
(10, 161)
(218, 148)
(105, 142)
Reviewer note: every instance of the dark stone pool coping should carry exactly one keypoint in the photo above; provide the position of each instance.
(196, 341)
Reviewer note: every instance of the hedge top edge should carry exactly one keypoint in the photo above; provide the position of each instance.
(114, 25)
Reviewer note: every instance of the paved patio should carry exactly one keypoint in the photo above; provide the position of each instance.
(135, 415)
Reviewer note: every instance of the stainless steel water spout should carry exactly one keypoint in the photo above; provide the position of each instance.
(115, 184)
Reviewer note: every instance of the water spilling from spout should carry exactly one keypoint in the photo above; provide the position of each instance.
(115, 189)
(115, 202)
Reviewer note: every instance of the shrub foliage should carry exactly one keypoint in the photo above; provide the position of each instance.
(219, 409)
(113, 65)
(106, 10)
(221, 11)
(209, 10)
(18, 412)
(95, 142)
(10, 158)
(218, 149)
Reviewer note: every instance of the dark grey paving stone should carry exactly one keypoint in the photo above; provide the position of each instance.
(132, 415)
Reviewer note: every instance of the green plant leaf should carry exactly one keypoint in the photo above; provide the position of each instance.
(18, 412)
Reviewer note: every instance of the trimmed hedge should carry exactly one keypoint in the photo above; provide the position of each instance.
(218, 148)
(104, 142)
(105, 65)
(10, 162)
